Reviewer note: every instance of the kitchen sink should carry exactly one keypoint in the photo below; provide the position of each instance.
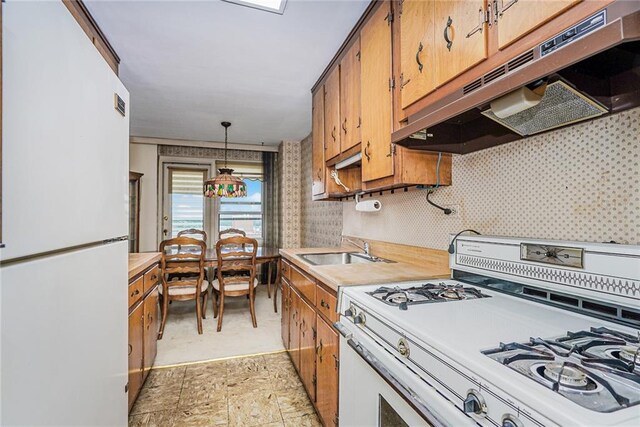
(340, 258)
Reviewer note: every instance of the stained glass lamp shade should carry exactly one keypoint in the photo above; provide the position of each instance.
(225, 184)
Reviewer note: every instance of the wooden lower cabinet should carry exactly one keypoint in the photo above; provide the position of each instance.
(327, 372)
(136, 351)
(313, 344)
(144, 321)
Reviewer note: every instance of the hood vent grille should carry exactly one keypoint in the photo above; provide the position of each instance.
(499, 72)
(561, 105)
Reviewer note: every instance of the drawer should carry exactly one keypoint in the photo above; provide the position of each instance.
(304, 284)
(136, 290)
(326, 304)
(286, 270)
(151, 278)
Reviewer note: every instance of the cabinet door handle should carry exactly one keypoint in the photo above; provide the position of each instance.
(420, 66)
(154, 277)
(333, 134)
(130, 349)
(319, 350)
(446, 33)
(344, 126)
(479, 26)
(366, 151)
(359, 122)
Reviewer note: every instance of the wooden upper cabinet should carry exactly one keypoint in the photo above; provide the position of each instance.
(350, 97)
(417, 67)
(317, 159)
(518, 18)
(327, 372)
(332, 130)
(460, 37)
(376, 95)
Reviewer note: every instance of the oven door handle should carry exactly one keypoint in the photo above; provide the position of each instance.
(342, 330)
(409, 396)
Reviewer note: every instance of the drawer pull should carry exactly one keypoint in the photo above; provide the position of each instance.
(136, 292)
(325, 304)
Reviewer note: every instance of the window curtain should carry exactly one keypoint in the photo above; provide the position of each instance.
(271, 194)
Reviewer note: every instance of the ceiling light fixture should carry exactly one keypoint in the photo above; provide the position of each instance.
(274, 6)
(225, 184)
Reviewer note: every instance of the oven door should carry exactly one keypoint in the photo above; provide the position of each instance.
(378, 390)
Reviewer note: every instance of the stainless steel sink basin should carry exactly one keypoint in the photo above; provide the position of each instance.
(340, 258)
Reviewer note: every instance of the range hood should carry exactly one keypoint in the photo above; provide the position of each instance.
(587, 71)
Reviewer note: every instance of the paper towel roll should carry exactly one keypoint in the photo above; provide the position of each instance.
(369, 206)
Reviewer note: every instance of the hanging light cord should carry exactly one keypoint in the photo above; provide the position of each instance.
(225, 146)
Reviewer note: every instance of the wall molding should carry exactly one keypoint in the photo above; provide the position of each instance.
(201, 144)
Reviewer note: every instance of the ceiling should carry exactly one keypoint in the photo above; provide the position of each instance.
(189, 65)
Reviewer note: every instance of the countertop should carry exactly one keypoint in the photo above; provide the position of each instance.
(336, 276)
(138, 262)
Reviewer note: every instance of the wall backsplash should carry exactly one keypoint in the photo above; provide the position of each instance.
(577, 183)
(321, 221)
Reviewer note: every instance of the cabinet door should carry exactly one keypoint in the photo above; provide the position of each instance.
(417, 56)
(350, 97)
(286, 314)
(376, 96)
(455, 52)
(308, 347)
(294, 329)
(327, 372)
(136, 327)
(317, 159)
(332, 114)
(517, 18)
(151, 324)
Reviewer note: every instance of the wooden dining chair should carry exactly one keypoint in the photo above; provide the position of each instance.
(195, 234)
(236, 275)
(182, 275)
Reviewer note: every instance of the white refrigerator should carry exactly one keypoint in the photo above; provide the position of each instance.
(63, 267)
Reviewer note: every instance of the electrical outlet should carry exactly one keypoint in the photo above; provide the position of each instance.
(455, 210)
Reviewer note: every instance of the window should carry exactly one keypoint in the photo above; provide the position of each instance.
(186, 200)
(244, 213)
(275, 6)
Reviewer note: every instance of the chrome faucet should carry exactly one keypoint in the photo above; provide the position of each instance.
(364, 247)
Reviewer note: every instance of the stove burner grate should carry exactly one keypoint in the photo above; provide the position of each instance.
(426, 293)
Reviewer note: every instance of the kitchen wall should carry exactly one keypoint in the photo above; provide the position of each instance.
(143, 158)
(289, 174)
(321, 222)
(577, 183)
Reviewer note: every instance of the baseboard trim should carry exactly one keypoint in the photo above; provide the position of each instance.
(199, 362)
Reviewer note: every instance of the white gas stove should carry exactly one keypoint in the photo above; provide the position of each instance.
(526, 333)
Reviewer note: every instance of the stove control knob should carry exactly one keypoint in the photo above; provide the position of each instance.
(359, 319)
(475, 404)
(350, 312)
(509, 420)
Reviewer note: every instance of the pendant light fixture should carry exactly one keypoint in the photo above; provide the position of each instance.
(225, 184)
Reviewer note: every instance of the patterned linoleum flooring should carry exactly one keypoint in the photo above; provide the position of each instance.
(246, 391)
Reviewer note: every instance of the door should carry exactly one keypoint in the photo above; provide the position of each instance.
(332, 114)
(376, 95)
(151, 324)
(417, 56)
(294, 328)
(318, 147)
(350, 97)
(308, 347)
(460, 37)
(327, 364)
(183, 200)
(519, 17)
(286, 314)
(136, 327)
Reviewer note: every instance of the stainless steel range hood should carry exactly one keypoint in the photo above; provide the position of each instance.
(588, 70)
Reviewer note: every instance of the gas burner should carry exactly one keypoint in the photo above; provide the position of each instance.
(425, 293)
(596, 369)
(565, 375)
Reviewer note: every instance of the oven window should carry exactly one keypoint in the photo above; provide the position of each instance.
(388, 417)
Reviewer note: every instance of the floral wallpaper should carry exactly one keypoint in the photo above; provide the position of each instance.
(321, 221)
(214, 153)
(289, 184)
(577, 183)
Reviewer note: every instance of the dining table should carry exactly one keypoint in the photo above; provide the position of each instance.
(264, 255)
